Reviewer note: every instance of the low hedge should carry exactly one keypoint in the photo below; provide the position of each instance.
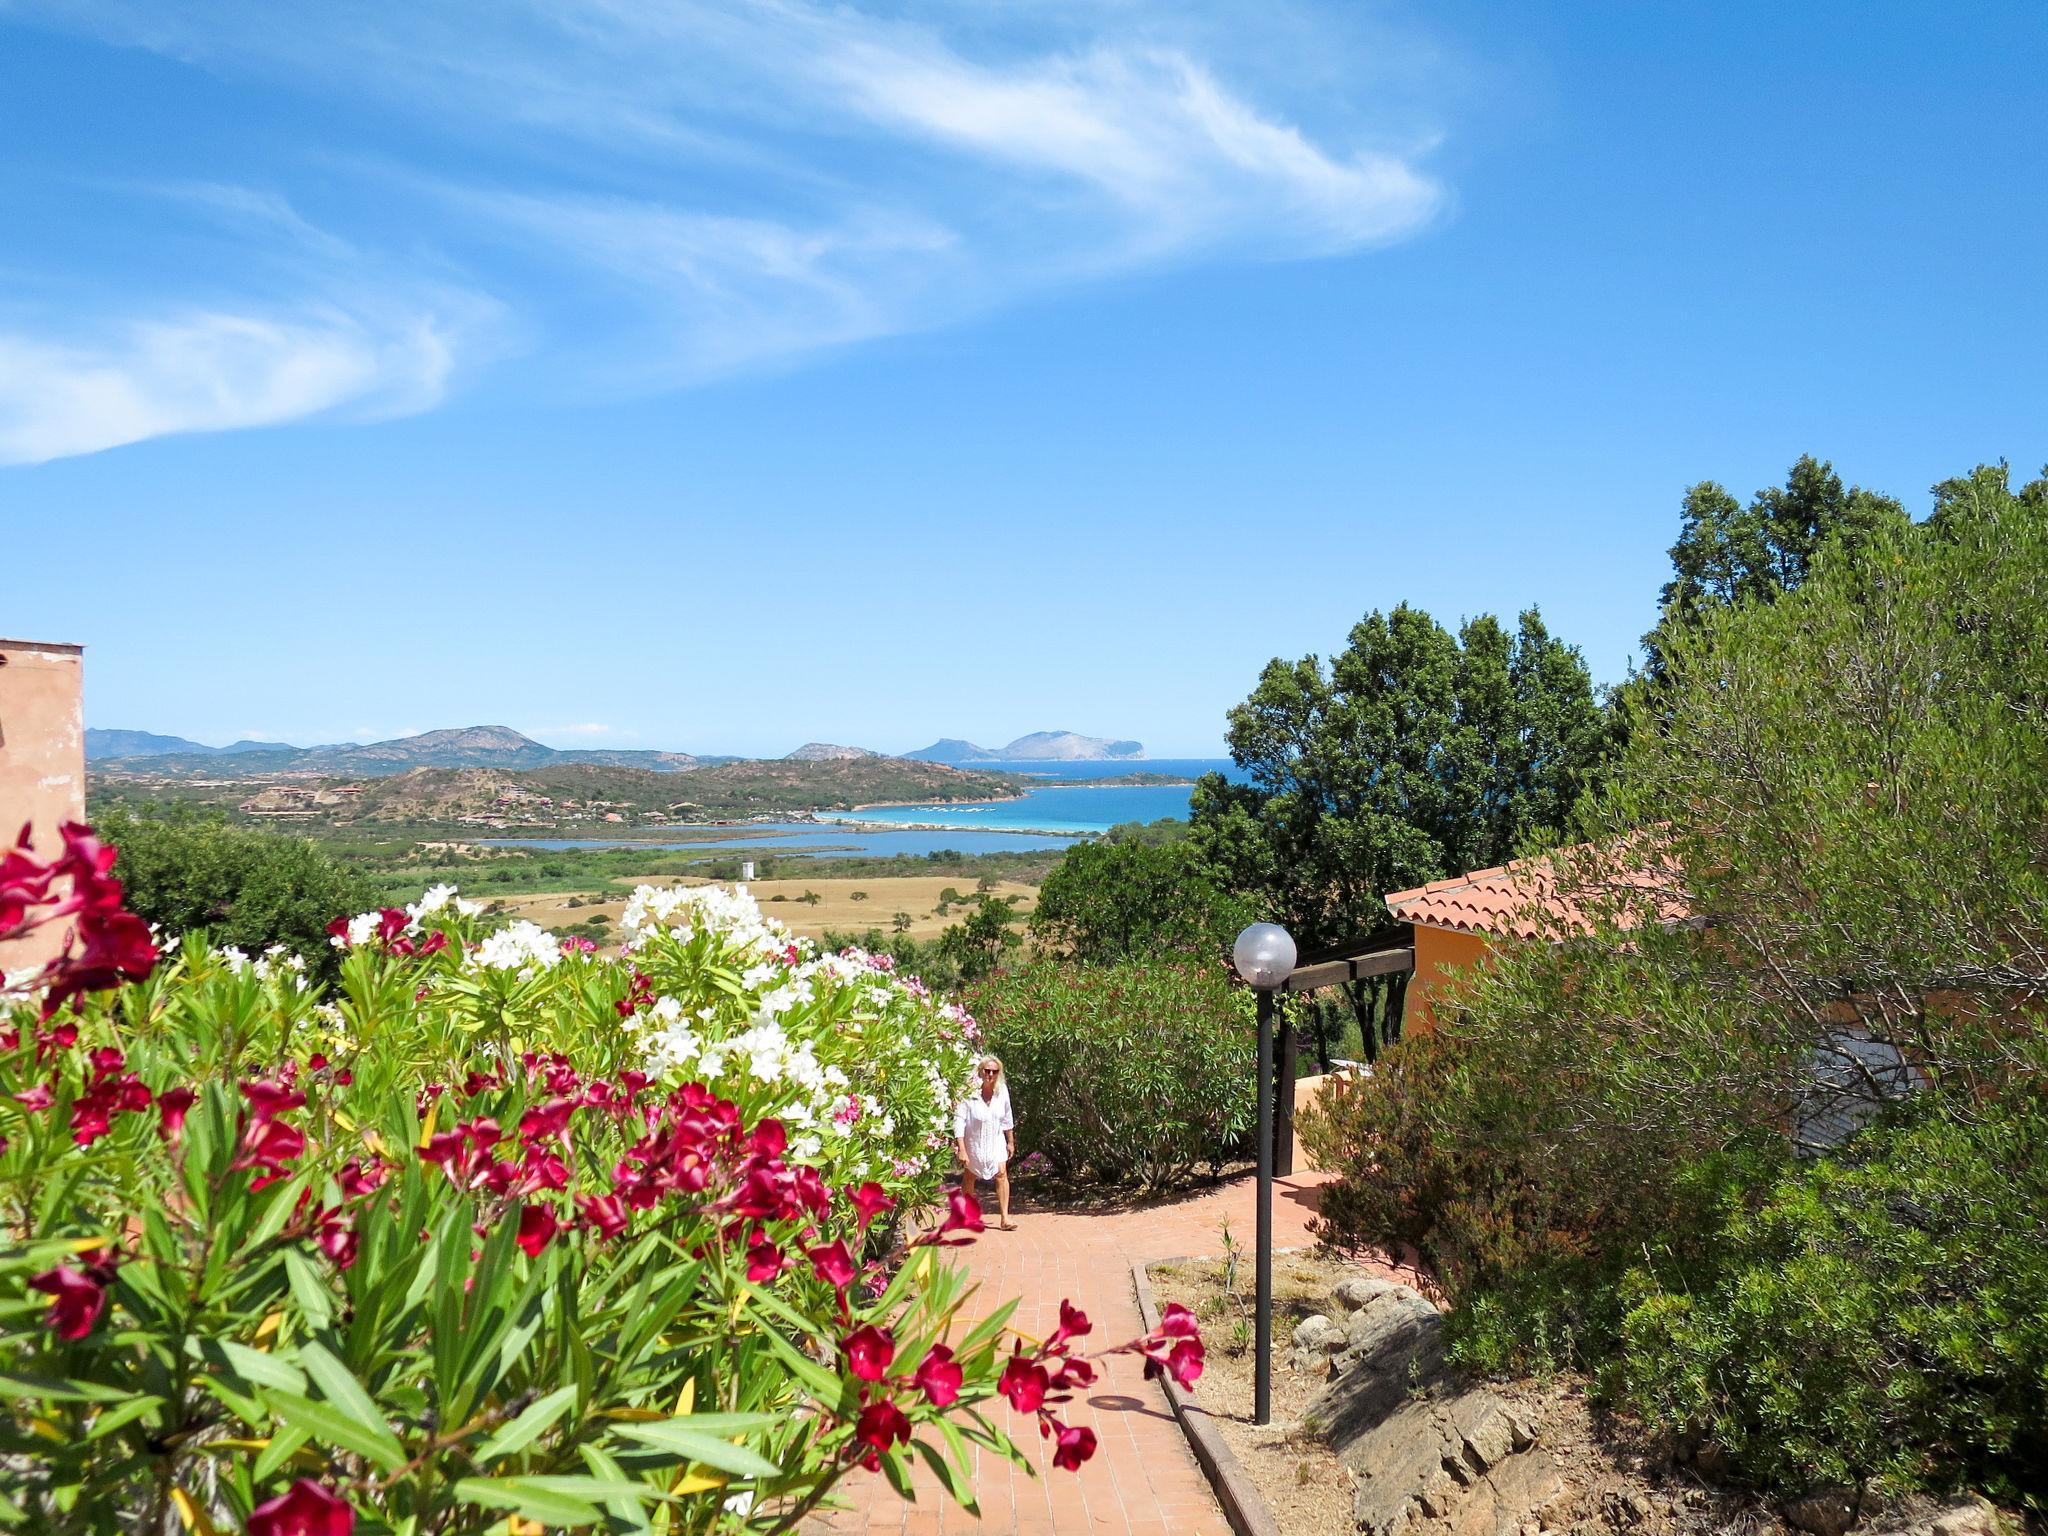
(1124, 1072)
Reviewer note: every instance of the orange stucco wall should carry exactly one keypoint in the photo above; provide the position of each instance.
(1438, 951)
(42, 760)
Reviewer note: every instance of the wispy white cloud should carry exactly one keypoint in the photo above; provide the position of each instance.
(711, 186)
(210, 372)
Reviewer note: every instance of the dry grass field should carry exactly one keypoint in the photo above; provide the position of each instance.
(841, 905)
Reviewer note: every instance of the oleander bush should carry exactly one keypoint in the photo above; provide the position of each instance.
(500, 1230)
(1137, 1072)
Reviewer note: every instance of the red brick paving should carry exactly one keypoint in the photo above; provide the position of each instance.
(1143, 1479)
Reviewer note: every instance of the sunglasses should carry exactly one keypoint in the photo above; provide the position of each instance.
(991, 1071)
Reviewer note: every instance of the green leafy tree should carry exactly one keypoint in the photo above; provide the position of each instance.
(1413, 754)
(1728, 554)
(977, 946)
(248, 887)
(1766, 1112)
(1111, 901)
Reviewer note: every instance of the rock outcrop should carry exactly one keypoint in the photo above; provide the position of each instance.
(1425, 1453)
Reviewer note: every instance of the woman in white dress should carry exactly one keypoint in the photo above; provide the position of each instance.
(986, 1134)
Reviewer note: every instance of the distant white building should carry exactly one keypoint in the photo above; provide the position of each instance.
(746, 869)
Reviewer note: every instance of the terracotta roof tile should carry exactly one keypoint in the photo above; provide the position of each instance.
(1523, 899)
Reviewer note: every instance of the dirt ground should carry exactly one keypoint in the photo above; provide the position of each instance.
(838, 906)
(1300, 1478)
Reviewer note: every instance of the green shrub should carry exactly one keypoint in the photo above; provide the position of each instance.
(1882, 1319)
(248, 887)
(1124, 1071)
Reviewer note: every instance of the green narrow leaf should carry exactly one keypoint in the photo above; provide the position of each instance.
(333, 1424)
(538, 1418)
(252, 1365)
(518, 1495)
(127, 1413)
(896, 1468)
(308, 1290)
(695, 1445)
(949, 1478)
(284, 1445)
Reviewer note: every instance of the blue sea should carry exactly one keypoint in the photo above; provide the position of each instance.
(1052, 817)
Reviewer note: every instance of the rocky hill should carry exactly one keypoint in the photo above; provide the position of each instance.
(567, 796)
(476, 746)
(1038, 747)
(826, 752)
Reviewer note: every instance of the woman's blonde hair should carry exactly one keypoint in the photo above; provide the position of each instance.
(996, 1062)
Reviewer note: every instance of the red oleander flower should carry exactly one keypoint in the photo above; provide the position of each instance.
(764, 1260)
(1185, 1362)
(881, 1424)
(359, 1178)
(442, 1148)
(337, 1237)
(1025, 1384)
(476, 1082)
(870, 1201)
(392, 923)
(537, 1227)
(833, 1264)
(1071, 1374)
(607, 1213)
(1179, 1323)
(268, 1100)
(1076, 1445)
(549, 1119)
(868, 1352)
(304, 1509)
(79, 1298)
(268, 1145)
(1073, 1325)
(963, 1215)
(105, 1061)
(172, 1105)
(37, 1097)
(938, 1377)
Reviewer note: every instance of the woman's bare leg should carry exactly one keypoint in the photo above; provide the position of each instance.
(1003, 1194)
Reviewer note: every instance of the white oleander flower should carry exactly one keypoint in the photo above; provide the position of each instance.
(435, 898)
(523, 946)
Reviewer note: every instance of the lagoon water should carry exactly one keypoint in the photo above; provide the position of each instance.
(1075, 808)
(1051, 817)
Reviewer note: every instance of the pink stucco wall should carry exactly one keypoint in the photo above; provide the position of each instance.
(42, 759)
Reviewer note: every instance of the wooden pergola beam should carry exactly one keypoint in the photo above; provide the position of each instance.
(1329, 973)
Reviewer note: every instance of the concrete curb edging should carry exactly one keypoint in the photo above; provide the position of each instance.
(1242, 1506)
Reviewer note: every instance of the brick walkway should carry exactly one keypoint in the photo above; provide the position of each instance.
(1143, 1479)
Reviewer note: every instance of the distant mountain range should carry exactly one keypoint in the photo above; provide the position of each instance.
(477, 746)
(100, 744)
(498, 746)
(1039, 746)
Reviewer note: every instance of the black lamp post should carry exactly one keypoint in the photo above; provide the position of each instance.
(1264, 955)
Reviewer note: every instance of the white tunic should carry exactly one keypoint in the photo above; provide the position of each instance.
(981, 1123)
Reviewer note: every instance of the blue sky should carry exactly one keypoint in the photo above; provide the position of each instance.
(723, 376)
